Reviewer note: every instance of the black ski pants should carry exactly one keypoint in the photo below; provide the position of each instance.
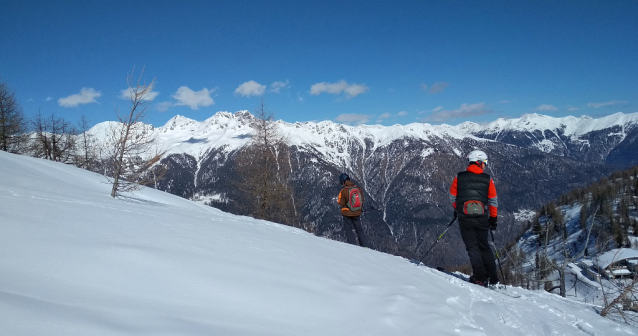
(352, 225)
(474, 232)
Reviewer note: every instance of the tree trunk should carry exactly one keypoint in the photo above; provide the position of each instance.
(561, 274)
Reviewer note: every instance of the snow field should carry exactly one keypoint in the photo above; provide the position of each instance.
(75, 261)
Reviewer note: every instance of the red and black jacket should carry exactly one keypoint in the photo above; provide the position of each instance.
(474, 185)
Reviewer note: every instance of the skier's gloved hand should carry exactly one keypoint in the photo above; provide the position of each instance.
(493, 223)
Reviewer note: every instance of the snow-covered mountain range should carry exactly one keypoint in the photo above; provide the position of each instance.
(405, 169)
(77, 262)
(546, 133)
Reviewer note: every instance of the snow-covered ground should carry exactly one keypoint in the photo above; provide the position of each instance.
(74, 261)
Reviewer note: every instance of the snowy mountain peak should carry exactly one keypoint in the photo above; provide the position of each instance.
(180, 122)
(572, 126)
(233, 130)
(223, 117)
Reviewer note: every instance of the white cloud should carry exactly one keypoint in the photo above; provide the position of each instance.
(250, 88)
(277, 86)
(546, 108)
(353, 118)
(388, 115)
(351, 90)
(504, 102)
(127, 94)
(572, 108)
(435, 88)
(437, 109)
(465, 111)
(355, 90)
(86, 96)
(438, 87)
(609, 103)
(49, 98)
(193, 99)
(164, 106)
(335, 88)
(383, 116)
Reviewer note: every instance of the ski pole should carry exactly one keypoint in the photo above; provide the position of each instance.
(497, 257)
(437, 239)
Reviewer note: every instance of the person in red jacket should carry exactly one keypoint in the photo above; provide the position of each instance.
(473, 196)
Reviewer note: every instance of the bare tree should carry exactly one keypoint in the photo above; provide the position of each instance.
(40, 144)
(621, 295)
(62, 139)
(132, 141)
(13, 124)
(54, 138)
(625, 298)
(567, 252)
(86, 154)
(264, 168)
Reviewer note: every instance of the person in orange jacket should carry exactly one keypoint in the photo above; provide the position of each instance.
(473, 196)
(351, 201)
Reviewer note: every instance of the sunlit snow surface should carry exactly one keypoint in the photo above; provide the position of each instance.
(74, 261)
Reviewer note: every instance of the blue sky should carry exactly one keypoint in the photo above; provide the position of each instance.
(386, 62)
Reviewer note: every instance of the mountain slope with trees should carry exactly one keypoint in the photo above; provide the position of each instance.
(405, 171)
(580, 225)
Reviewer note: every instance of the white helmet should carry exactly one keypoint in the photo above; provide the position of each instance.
(477, 156)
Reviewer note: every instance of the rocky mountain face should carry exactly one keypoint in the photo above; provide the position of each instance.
(405, 170)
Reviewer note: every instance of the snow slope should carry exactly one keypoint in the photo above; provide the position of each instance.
(74, 261)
